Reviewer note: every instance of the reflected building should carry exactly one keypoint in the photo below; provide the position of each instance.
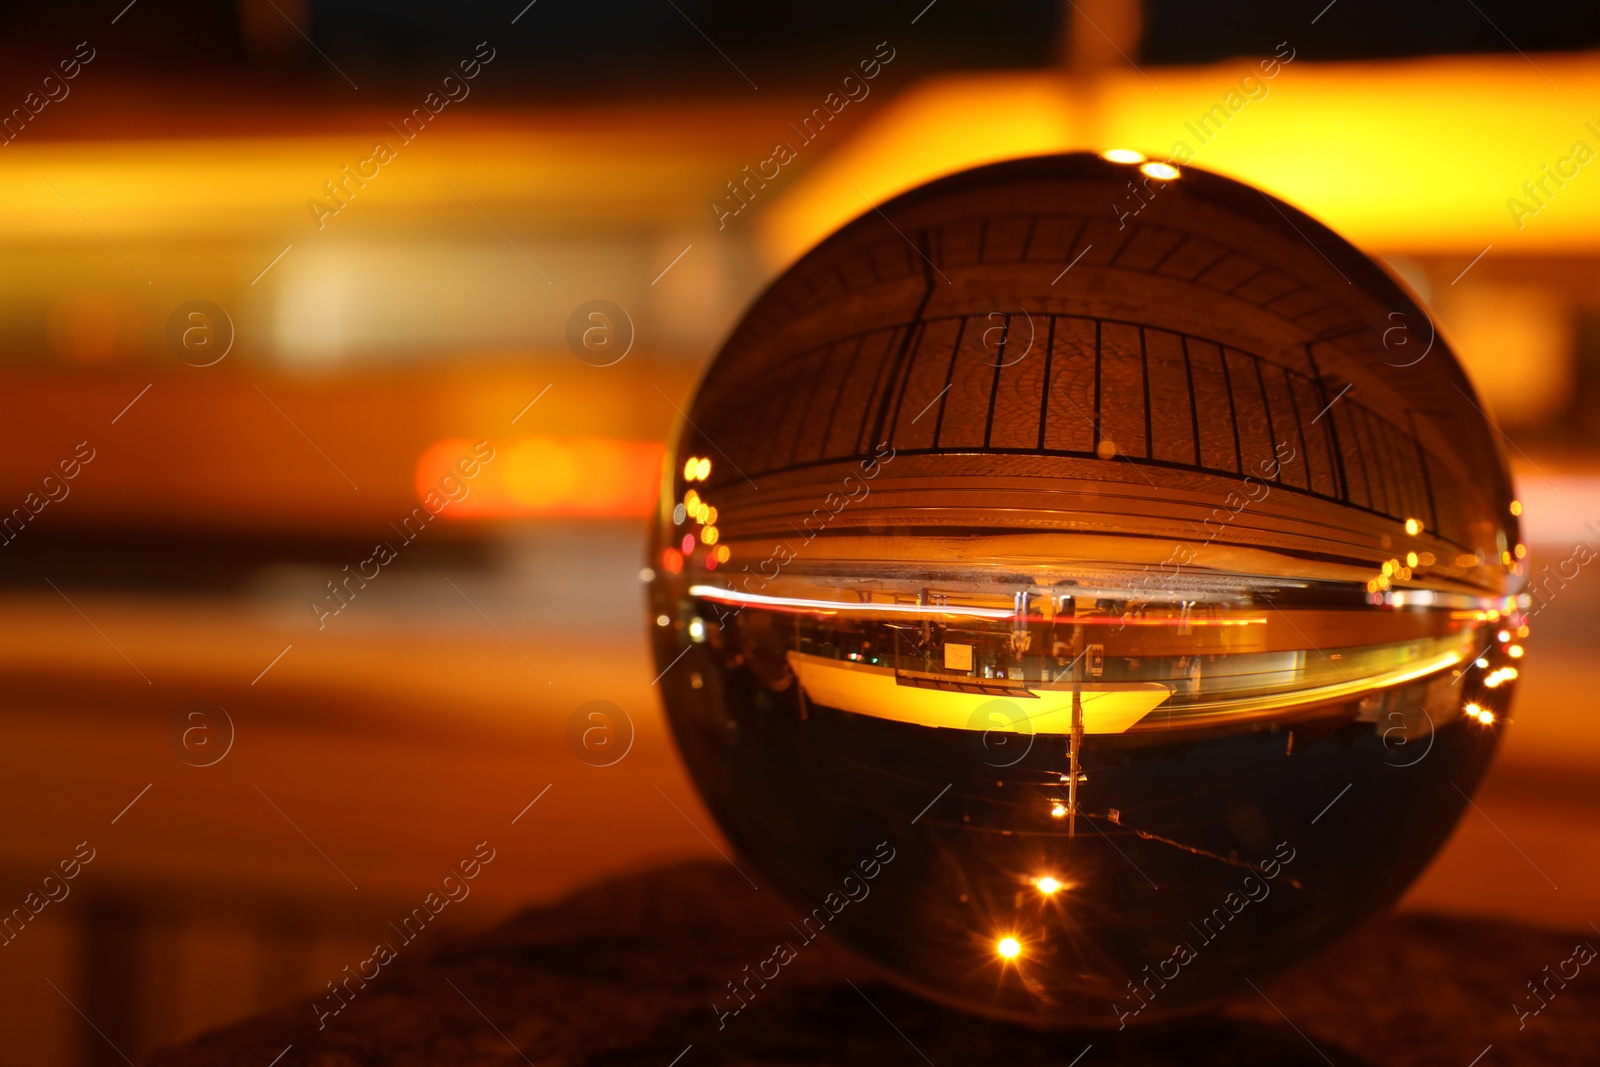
(1127, 552)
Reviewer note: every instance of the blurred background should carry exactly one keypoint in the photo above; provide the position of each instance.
(271, 268)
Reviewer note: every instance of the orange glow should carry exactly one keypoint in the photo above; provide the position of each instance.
(1397, 145)
(938, 127)
(1165, 172)
(1058, 811)
(1047, 885)
(1122, 155)
(1515, 651)
(1497, 678)
(1009, 947)
(544, 476)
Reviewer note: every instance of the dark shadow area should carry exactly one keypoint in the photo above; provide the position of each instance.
(627, 972)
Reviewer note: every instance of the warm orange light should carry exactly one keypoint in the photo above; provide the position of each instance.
(1047, 885)
(691, 502)
(1165, 172)
(1411, 559)
(1521, 551)
(1413, 526)
(1503, 636)
(532, 476)
(1122, 155)
(1514, 651)
(1059, 811)
(1497, 678)
(1009, 947)
(1414, 181)
(1516, 507)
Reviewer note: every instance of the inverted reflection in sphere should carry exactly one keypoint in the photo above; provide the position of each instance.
(1141, 583)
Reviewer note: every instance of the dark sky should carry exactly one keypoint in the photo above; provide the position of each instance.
(586, 49)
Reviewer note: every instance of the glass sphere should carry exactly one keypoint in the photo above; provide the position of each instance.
(1085, 587)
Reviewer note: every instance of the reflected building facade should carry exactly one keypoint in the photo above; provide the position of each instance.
(1123, 556)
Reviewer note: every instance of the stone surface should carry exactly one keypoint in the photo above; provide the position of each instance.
(625, 973)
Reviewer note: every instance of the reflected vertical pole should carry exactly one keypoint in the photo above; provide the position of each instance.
(1076, 744)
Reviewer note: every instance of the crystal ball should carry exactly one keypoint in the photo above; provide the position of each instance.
(1083, 587)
